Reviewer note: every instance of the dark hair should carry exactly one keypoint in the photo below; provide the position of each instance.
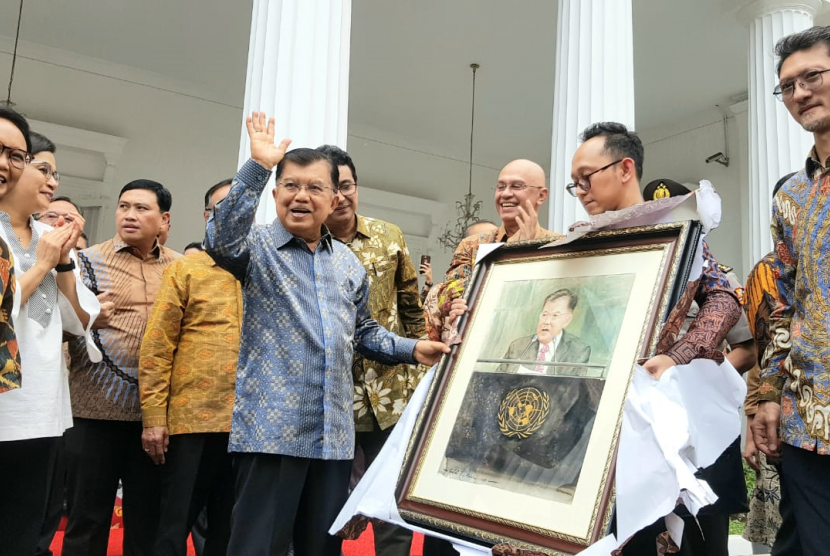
(306, 157)
(339, 157)
(40, 144)
(476, 223)
(67, 200)
(619, 142)
(163, 196)
(573, 299)
(83, 235)
(213, 189)
(193, 245)
(781, 182)
(19, 122)
(802, 40)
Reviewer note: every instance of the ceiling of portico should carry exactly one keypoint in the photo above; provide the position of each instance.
(410, 80)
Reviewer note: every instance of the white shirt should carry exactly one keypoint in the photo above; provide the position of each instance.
(551, 348)
(41, 407)
(531, 370)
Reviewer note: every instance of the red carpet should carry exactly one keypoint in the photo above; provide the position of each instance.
(364, 546)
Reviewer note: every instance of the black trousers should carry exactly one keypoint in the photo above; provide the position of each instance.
(197, 473)
(99, 454)
(805, 503)
(390, 540)
(55, 501)
(709, 535)
(27, 466)
(710, 539)
(280, 498)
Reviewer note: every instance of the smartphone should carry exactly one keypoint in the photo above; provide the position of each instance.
(424, 259)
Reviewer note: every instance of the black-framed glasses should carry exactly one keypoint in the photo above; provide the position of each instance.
(314, 189)
(810, 80)
(584, 183)
(17, 157)
(347, 188)
(46, 169)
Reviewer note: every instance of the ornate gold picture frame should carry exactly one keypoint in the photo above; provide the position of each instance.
(517, 440)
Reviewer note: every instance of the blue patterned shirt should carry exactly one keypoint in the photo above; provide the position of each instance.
(796, 372)
(303, 310)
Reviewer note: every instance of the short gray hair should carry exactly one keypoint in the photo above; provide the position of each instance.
(802, 40)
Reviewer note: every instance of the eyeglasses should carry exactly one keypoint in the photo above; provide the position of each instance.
(46, 169)
(313, 189)
(552, 316)
(515, 186)
(50, 217)
(17, 157)
(585, 182)
(347, 188)
(810, 80)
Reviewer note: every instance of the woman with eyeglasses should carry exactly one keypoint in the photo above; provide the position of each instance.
(52, 300)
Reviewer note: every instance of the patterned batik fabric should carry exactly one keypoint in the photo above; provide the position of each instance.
(304, 314)
(761, 296)
(764, 519)
(109, 389)
(796, 375)
(187, 370)
(384, 390)
(719, 311)
(10, 377)
(440, 297)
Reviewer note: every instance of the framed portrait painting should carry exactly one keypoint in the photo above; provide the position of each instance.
(517, 440)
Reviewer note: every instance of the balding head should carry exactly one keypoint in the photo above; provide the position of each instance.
(521, 181)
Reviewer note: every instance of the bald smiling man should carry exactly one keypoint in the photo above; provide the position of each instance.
(520, 193)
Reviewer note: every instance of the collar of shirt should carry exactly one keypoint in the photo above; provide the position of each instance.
(120, 245)
(283, 237)
(362, 229)
(501, 233)
(814, 165)
(552, 345)
(208, 259)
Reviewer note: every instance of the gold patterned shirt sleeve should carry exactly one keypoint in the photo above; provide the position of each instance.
(161, 338)
(191, 348)
(409, 301)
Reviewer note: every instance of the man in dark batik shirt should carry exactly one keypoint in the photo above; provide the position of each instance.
(606, 170)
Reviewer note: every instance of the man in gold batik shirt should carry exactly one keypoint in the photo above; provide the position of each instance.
(187, 377)
(381, 391)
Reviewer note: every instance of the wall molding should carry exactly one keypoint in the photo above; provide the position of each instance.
(79, 62)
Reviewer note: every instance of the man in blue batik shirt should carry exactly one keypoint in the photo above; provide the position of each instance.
(305, 306)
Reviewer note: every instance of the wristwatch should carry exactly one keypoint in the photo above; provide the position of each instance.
(68, 267)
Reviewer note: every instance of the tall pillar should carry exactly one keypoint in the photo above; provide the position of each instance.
(298, 72)
(594, 82)
(777, 144)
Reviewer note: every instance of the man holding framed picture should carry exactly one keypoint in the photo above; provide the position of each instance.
(606, 171)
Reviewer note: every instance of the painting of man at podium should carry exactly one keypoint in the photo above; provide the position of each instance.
(529, 408)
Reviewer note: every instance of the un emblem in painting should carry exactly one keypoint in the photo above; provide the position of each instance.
(523, 411)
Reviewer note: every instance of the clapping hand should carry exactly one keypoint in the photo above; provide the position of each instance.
(263, 150)
(528, 221)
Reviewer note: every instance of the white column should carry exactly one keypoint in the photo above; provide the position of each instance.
(298, 72)
(777, 144)
(594, 82)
